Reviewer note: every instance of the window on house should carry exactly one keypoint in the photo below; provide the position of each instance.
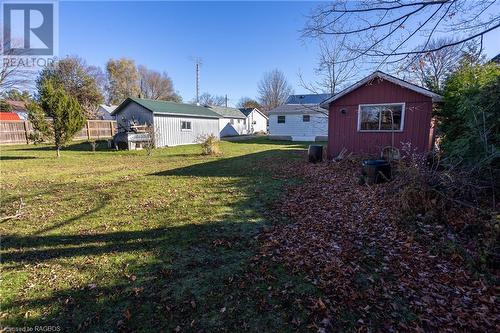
(281, 119)
(306, 118)
(185, 125)
(381, 117)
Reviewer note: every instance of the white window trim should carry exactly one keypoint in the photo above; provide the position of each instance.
(402, 127)
(185, 129)
(278, 117)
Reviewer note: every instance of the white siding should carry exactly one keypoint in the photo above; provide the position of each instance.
(299, 130)
(238, 127)
(133, 111)
(256, 122)
(169, 132)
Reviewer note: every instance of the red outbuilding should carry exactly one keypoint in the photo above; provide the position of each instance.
(377, 112)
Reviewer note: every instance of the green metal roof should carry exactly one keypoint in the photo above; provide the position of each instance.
(172, 108)
(227, 112)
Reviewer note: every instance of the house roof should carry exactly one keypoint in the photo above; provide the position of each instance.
(247, 111)
(170, 108)
(227, 112)
(307, 99)
(17, 106)
(9, 116)
(297, 108)
(381, 75)
(108, 108)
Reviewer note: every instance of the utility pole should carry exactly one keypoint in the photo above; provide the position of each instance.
(226, 100)
(198, 64)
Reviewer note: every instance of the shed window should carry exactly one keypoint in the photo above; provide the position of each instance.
(306, 118)
(381, 117)
(185, 125)
(281, 119)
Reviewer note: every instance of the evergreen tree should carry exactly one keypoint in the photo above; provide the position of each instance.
(64, 110)
(42, 129)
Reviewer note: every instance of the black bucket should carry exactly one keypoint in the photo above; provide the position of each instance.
(315, 153)
(376, 171)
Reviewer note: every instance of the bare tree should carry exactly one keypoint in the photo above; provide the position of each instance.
(208, 99)
(99, 77)
(386, 30)
(152, 139)
(332, 72)
(247, 102)
(431, 69)
(273, 89)
(156, 85)
(13, 73)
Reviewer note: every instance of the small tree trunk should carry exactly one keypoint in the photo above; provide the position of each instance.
(58, 151)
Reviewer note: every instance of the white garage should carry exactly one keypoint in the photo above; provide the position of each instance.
(174, 123)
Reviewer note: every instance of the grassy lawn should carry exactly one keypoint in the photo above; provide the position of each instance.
(117, 240)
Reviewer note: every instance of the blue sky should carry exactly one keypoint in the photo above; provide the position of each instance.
(237, 41)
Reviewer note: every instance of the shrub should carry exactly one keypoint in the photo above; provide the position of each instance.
(210, 145)
(432, 193)
(470, 121)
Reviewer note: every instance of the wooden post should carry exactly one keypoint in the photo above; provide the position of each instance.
(112, 126)
(88, 130)
(26, 132)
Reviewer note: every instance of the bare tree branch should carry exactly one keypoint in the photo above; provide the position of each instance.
(331, 71)
(13, 73)
(384, 30)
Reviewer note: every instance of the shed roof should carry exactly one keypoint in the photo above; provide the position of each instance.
(381, 75)
(170, 108)
(108, 108)
(307, 98)
(247, 111)
(227, 112)
(9, 116)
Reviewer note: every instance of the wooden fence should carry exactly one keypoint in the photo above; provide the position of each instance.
(18, 131)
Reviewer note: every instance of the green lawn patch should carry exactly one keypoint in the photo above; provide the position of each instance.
(117, 240)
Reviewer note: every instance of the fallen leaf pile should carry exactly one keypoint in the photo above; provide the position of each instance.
(376, 275)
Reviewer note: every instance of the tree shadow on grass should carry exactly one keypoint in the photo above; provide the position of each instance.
(102, 145)
(197, 277)
(251, 165)
(12, 158)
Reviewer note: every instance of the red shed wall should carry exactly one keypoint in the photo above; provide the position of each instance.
(343, 128)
